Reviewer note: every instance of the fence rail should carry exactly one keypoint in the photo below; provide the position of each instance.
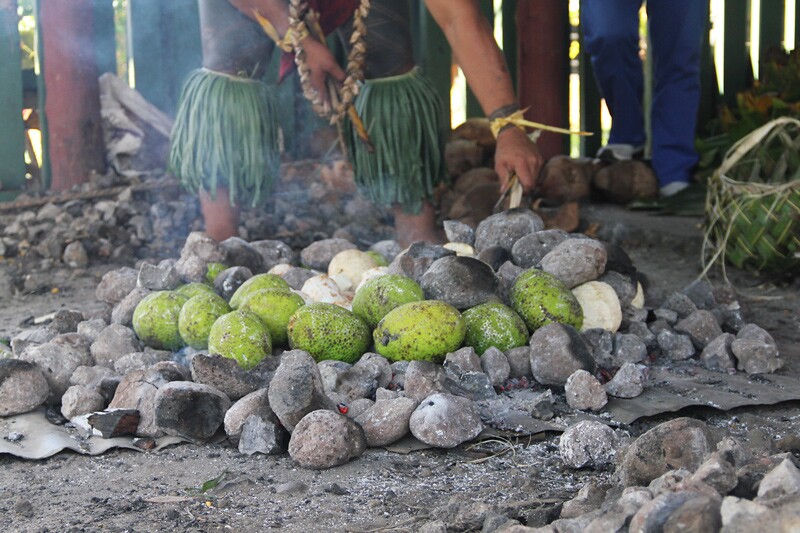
(163, 44)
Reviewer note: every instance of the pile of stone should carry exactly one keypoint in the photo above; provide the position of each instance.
(681, 475)
(151, 218)
(326, 413)
(126, 226)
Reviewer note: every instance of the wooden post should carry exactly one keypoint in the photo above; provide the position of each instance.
(12, 142)
(71, 97)
(544, 68)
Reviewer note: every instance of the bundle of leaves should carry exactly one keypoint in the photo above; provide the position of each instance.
(775, 95)
(753, 201)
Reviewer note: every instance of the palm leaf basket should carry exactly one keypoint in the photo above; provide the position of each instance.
(753, 202)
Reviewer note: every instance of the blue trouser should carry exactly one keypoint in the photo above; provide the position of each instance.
(611, 37)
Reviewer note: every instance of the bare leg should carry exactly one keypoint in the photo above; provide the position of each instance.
(221, 218)
(422, 227)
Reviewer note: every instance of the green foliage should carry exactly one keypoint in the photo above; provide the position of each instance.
(776, 94)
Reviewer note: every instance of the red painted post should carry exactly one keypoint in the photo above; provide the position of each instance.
(72, 99)
(543, 68)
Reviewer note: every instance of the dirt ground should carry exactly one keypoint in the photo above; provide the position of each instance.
(124, 490)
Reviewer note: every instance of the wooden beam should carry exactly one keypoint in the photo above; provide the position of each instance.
(71, 96)
(12, 142)
(543, 30)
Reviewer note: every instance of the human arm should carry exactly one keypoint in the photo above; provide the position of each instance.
(478, 55)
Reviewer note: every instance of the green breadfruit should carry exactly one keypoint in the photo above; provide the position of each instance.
(274, 307)
(241, 336)
(197, 316)
(327, 331)
(541, 298)
(257, 282)
(380, 295)
(193, 289)
(213, 270)
(379, 258)
(155, 320)
(494, 324)
(426, 330)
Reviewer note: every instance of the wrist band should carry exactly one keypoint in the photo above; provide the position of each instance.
(509, 116)
(501, 119)
(285, 43)
(504, 111)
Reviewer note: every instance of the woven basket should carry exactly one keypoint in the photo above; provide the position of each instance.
(753, 202)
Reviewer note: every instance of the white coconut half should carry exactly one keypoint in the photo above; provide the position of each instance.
(351, 265)
(600, 304)
(322, 288)
(461, 249)
(280, 269)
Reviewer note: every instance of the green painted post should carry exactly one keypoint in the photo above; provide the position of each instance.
(771, 26)
(589, 106)
(738, 68)
(796, 26)
(709, 86)
(181, 45)
(105, 45)
(511, 39)
(435, 57)
(12, 142)
(165, 46)
(473, 107)
(41, 94)
(150, 68)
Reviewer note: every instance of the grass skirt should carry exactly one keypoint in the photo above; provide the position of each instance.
(225, 135)
(403, 116)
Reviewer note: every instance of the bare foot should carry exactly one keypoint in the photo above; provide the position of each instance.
(421, 227)
(221, 218)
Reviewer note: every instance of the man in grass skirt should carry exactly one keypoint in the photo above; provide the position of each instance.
(224, 142)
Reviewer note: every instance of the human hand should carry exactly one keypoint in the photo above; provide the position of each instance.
(516, 152)
(321, 64)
